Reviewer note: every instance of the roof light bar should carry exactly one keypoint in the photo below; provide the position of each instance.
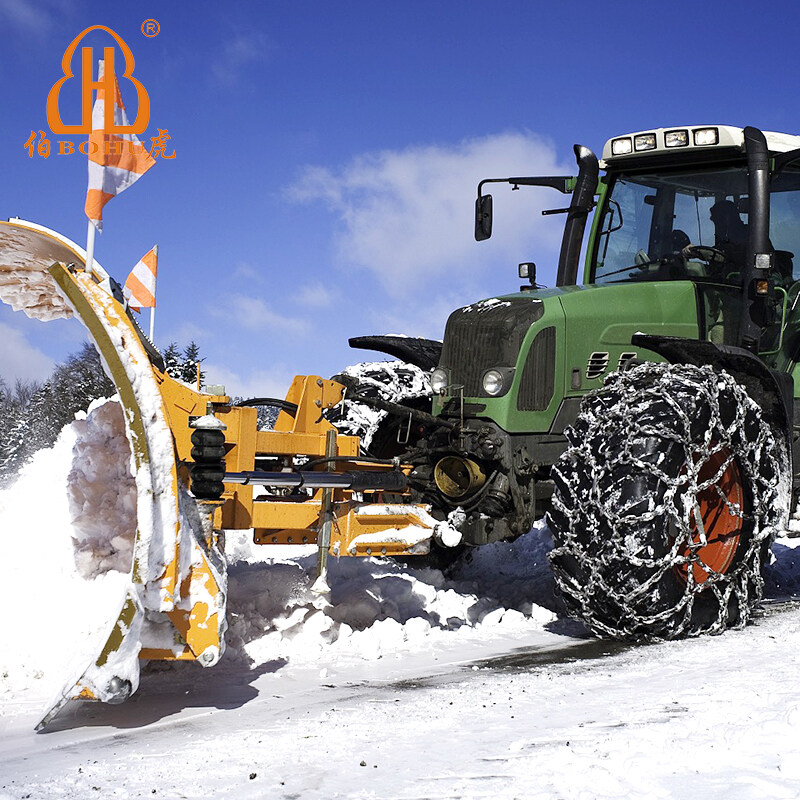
(648, 143)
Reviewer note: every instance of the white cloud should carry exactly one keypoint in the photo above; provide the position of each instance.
(238, 52)
(316, 295)
(273, 382)
(20, 359)
(254, 314)
(408, 215)
(245, 272)
(26, 16)
(425, 317)
(185, 332)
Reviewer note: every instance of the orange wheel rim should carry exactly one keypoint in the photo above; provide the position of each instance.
(721, 505)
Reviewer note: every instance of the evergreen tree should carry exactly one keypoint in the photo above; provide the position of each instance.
(33, 414)
(191, 362)
(172, 358)
(183, 367)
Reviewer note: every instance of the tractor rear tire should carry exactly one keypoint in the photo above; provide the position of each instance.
(666, 501)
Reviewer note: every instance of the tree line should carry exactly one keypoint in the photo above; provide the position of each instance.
(34, 413)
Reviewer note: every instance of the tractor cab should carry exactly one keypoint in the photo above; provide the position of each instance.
(675, 204)
(673, 209)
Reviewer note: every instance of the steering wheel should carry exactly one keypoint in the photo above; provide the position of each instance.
(711, 255)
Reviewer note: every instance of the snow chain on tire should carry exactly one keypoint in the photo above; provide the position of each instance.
(628, 555)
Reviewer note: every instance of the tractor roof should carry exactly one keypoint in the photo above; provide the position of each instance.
(687, 138)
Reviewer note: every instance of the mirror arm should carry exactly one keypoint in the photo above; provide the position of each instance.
(563, 183)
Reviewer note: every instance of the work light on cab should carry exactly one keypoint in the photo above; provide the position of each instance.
(706, 136)
(644, 141)
(621, 147)
(676, 138)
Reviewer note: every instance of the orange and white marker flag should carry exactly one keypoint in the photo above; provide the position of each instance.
(118, 161)
(140, 287)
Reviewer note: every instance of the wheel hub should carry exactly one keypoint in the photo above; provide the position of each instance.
(720, 506)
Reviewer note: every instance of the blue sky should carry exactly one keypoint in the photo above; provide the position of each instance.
(327, 154)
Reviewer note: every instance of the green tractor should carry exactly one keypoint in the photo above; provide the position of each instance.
(648, 409)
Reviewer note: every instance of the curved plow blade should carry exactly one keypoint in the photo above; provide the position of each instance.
(172, 601)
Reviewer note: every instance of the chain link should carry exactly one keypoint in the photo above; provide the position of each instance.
(619, 552)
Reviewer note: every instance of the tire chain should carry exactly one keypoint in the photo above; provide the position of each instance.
(667, 403)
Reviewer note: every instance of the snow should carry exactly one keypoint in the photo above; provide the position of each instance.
(101, 492)
(52, 618)
(401, 682)
(27, 250)
(395, 381)
(486, 305)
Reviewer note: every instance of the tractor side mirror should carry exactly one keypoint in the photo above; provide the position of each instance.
(483, 217)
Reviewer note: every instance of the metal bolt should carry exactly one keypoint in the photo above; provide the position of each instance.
(319, 381)
(369, 551)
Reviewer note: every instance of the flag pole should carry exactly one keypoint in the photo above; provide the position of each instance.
(153, 307)
(90, 247)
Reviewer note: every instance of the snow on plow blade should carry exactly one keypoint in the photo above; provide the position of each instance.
(171, 602)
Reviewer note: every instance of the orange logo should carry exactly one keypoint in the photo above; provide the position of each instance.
(88, 84)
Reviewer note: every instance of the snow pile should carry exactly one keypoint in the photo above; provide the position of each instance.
(52, 618)
(101, 491)
(380, 607)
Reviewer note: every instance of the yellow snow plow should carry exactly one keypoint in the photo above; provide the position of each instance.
(196, 459)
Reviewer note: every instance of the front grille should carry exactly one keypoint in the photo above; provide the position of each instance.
(485, 335)
(539, 375)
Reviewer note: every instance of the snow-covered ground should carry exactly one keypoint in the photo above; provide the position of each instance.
(404, 684)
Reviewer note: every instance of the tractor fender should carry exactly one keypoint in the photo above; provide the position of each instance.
(772, 390)
(422, 353)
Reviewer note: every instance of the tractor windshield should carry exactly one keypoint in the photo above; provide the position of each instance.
(680, 225)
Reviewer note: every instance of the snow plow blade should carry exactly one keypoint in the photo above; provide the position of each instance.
(195, 458)
(172, 601)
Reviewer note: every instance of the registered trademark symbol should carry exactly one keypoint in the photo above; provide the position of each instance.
(150, 28)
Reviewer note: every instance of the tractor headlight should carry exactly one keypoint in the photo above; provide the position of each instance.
(440, 380)
(495, 382)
